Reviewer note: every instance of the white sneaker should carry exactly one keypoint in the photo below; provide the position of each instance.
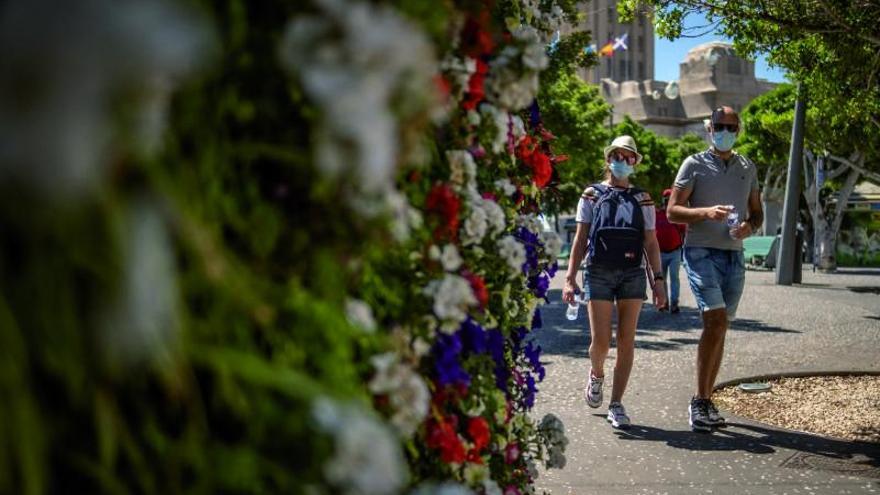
(617, 416)
(715, 417)
(593, 390)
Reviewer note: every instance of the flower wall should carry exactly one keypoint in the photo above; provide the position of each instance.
(276, 248)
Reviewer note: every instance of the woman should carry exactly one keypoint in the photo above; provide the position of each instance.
(615, 228)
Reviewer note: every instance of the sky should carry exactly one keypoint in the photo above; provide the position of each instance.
(668, 54)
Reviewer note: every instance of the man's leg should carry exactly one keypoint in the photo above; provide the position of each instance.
(710, 350)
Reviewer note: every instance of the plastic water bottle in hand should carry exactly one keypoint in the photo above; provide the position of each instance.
(732, 221)
(572, 311)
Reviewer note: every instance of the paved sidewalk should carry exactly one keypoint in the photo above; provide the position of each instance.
(831, 322)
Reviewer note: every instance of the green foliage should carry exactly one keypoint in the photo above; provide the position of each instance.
(576, 112)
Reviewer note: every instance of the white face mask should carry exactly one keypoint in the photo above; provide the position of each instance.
(723, 140)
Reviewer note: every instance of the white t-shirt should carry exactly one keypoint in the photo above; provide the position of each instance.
(585, 208)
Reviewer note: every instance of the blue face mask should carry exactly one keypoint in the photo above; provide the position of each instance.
(620, 169)
(723, 140)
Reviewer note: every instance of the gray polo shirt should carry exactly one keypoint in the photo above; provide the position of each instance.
(713, 181)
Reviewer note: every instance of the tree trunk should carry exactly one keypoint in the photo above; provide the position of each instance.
(827, 256)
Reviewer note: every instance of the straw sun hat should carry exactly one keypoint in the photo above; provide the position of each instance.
(626, 143)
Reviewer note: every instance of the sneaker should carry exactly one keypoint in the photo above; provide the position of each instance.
(698, 415)
(715, 418)
(593, 391)
(617, 416)
(674, 309)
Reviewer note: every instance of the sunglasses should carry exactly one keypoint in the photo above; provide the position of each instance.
(621, 158)
(725, 127)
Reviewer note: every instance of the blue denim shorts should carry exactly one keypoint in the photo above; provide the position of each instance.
(716, 277)
(610, 284)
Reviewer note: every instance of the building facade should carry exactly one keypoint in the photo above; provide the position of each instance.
(711, 75)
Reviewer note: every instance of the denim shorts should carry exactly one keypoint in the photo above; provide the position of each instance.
(609, 284)
(716, 277)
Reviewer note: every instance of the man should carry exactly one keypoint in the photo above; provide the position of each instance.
(670, 236)
(710, 186)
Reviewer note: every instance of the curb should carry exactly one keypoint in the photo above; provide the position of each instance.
(793, 374)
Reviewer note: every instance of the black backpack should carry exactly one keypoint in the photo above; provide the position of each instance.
(617, 230)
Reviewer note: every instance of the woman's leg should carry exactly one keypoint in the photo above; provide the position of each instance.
(600, 334)
(627, 320)
(674, 287)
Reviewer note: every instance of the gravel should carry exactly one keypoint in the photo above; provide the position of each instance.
(845, 407)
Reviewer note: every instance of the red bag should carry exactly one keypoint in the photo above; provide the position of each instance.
(669, 235)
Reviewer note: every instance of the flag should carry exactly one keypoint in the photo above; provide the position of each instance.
(607, 50)
(590, 49)
(620, 42)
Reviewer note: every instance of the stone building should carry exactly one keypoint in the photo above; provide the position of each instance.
(711, 75)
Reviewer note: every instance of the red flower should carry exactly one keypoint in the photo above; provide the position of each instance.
(475, 37)
(478, 285)
(443, 203)
(541, 169)
(512, 490)
(475, 91)
(478, 430)
(443, 437)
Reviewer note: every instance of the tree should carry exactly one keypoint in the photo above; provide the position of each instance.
(767, 123)
(833, 49)
(575, 111)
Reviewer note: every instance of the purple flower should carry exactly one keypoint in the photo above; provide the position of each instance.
(539, 284)
(474, 337)
(531, 390)
(531, 243)
(446, 363)
(533, 355)
(552, 269)
(537, 322)
(495, 343)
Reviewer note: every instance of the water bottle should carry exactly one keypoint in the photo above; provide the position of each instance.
(732, 221)
(572, 311)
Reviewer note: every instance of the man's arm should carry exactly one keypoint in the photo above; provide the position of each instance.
(678, 211)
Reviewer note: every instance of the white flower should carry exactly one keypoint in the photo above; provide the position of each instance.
(360, 314)
(473, 118)
(531, 222)
(448, 257)
(519, 128)
(552, 244)
(495, 216)
(535, 56)
(366, 458)
(448, 488)
(61, 77)
(407, 392)
(452, 295)
(513, 252)
(490, 487)
(421, 347)
(143, 319)
(500, 120)
(352, 59)
(404, 218)
(463, 169)
(505, 186)
(475, 226)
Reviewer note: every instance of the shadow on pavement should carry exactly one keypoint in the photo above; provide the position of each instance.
(572, 338)
(757, 440)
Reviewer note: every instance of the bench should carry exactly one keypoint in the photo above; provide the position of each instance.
(759, 251)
